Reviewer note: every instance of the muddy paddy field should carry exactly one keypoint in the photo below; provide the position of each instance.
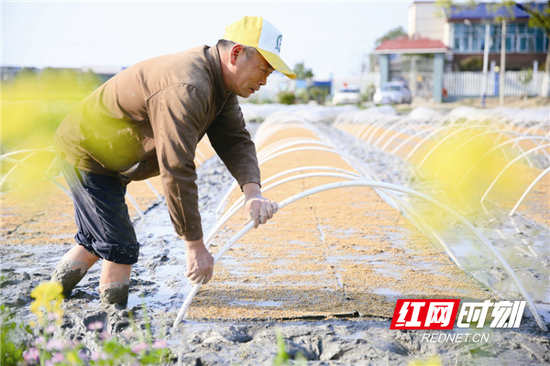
(327, 271)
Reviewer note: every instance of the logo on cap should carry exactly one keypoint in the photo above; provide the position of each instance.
(279, 40)
(259, 33)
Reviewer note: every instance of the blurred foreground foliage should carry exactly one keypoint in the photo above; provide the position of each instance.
(35, 101)
(13, 337)
(33, 104)
(461, 165)
(49, 343)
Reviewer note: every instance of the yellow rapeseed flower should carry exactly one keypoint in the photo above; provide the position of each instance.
(49, 296)
(430, 361)
(73, 359)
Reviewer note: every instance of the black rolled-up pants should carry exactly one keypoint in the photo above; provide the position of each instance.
(101, 215)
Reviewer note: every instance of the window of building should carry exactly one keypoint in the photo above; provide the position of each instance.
(520, 38)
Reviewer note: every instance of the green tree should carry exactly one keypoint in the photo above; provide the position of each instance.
(286, 97)
(302, 72)
(391, 34)
(472, 63)
(539, 17)
(525, 77)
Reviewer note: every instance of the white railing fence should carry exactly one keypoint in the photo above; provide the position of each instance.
(516, 83)
(457, 84)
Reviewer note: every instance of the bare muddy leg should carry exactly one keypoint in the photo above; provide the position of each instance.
(114, 293)
(69, 273)
(114, 283)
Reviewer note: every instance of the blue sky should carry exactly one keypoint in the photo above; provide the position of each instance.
(327, 36)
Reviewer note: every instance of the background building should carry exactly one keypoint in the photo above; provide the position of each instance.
(457, 37)
(526, 47)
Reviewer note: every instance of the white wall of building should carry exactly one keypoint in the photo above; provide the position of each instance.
(427, 20)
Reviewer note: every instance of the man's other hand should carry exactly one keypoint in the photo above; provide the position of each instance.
(200, 264)
(259, 209)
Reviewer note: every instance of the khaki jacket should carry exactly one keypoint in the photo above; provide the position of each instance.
(148, 119)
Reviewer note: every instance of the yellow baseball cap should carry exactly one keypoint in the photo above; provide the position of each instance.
(262, 35)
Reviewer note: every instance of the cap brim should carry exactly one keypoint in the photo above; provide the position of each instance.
(277, 63)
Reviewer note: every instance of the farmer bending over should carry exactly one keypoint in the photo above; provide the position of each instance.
(147, 120)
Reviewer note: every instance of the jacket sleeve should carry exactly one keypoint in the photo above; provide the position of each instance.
(231, 140)
(175, 114)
